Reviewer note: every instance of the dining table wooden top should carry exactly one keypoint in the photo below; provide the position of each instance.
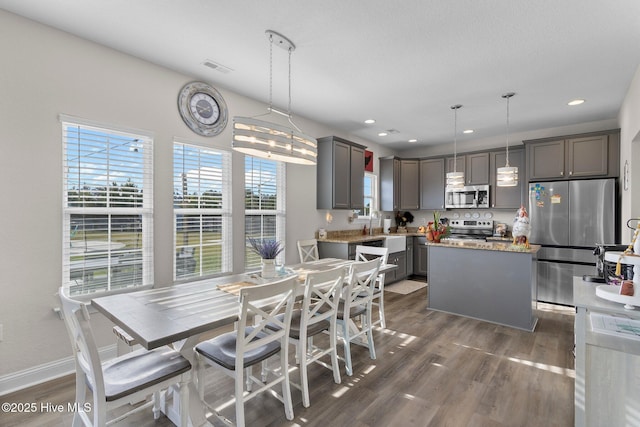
(162, 316)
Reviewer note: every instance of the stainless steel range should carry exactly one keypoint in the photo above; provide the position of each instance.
(470, 229)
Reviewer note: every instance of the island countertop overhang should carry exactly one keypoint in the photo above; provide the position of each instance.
(487, 246)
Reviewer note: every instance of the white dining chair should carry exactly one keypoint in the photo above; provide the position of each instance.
(235, 353)
(317, 313)
(115, 383)
(357, 302)
(308, 250)
(366, 253)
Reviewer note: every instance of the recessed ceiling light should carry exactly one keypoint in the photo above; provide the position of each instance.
(576, 102)
(369, 121)
(468, 131)
(383, 134)
(413, 140)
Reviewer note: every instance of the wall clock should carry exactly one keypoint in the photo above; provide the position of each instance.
(202, 108)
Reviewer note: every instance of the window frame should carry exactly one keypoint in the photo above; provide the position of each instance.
(225, 212)
(375, 200)
(279, 212)
(139, 141)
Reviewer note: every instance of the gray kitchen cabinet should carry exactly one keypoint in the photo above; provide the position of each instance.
(475, 167)
(344, 250)
(400, 273)
(409, 250)
(389, 184)
(432, 184)
(508, 197)
(340, 174)
(409, 184)
(587, 156)
(546, 159)
(399, 184)
(420, 267)
(577, 156)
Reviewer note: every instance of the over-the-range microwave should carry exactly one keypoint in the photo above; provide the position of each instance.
(476, 196)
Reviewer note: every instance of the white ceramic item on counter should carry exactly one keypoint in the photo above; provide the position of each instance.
(612, 292)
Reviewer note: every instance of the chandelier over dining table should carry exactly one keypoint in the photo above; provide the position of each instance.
(265, 139)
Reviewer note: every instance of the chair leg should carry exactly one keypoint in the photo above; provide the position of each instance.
(333, 342)
(286, 385)
(383, 322)
(347, 346)
(369, 326)
(156, 405)
(239, 398)
(301, 354)
(184, 399)
(248, 382)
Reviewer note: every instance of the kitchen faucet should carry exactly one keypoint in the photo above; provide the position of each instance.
(372, 215)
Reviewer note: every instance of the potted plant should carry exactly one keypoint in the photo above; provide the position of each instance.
(268, 249)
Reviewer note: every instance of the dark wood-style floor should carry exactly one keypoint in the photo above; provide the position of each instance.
(432, 369)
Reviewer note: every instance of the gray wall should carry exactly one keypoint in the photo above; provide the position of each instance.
(47, 72)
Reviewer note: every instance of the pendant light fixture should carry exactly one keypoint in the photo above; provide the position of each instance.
(508, 175)
(270, 140)
(455, 179)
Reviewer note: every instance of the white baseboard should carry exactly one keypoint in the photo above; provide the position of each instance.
(49, 371)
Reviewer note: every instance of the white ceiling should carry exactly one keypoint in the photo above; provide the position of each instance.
(403, 63)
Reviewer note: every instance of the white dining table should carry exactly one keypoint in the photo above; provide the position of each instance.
(178, 315)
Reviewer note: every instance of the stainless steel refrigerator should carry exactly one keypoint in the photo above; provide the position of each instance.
(568, 218)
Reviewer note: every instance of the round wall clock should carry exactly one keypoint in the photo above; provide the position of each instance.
(202, 108)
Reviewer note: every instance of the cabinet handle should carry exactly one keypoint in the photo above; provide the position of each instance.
(561, 173)
(570, 173)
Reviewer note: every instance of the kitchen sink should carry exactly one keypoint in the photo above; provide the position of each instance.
(395, 243)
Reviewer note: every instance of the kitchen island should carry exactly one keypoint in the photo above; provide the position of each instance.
(490, 281)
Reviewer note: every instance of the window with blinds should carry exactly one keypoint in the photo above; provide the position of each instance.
(202, 211)
(107, 208)
(264, 205)
(370, 195)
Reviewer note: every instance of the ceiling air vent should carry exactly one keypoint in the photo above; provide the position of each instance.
(215, 66)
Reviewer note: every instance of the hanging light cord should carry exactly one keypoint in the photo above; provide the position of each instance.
(270, 72)
(289, 105)
(455, 140)
(271, 109)
(455, 136)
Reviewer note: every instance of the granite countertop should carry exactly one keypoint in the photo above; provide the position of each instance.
(365, 238)
(487, 246)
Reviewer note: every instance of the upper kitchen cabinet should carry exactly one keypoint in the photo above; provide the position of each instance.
(432, 183)
(508, 197)
(577, 156)
(475, 167)
(340, 174)
(399, 184)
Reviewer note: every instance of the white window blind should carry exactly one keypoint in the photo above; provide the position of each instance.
(202, 211)
(370, 194)
(107, 208)
(264, 205)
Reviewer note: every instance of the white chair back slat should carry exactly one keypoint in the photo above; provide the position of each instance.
(364, 253)
(308, 250)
